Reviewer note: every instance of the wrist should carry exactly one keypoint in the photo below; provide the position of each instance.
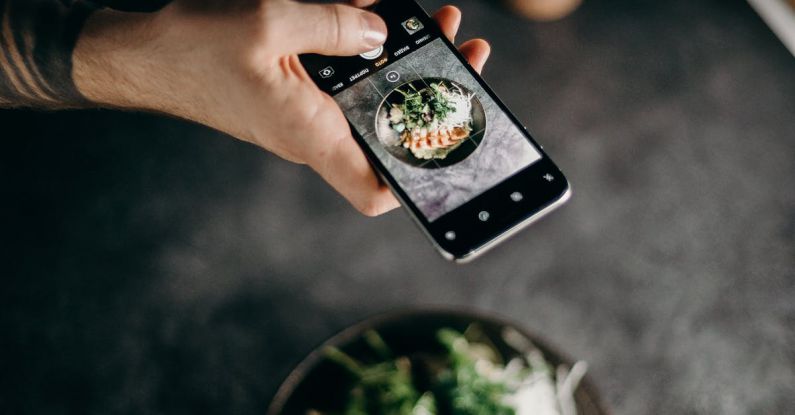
(143, 61)
(113, 61)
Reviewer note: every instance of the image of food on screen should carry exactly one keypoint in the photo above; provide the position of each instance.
(426, 122)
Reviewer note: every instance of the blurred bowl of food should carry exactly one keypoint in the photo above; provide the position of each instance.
(446, 362)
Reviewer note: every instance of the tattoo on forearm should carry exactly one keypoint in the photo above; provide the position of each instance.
(37, 38)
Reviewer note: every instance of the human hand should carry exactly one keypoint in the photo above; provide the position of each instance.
(233, 66)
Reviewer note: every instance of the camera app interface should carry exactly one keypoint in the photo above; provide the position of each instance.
(430, 123)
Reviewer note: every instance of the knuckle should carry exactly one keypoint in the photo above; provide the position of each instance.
(252, 59)
(334, 33)
(376, 204)
(370, 208)
(307, 114)
(262, 31)
(310, 123)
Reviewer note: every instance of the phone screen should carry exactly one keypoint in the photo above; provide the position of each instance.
(440, 135)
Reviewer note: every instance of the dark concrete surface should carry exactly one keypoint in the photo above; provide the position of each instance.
(152, 266)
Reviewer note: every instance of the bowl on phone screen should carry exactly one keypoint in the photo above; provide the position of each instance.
(430, 123)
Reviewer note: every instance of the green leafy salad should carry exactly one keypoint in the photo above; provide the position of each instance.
(469, 378)
(431, 121)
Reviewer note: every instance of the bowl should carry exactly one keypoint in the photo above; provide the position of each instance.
(390, 139)
(319, 383)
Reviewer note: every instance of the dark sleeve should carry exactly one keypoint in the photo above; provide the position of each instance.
(36, 44)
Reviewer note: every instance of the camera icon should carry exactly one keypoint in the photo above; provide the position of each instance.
(326, 72)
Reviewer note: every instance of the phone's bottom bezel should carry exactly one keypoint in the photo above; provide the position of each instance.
(542, 198)
(476, 252)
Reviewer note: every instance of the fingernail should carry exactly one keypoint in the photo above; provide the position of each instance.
(374, 30)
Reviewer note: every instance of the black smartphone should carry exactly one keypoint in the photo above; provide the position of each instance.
(464, 167)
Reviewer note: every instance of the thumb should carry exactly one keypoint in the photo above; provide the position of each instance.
(334, 29)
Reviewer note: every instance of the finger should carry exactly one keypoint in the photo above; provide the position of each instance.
(362, 3)
(449, 20)
(332, 29)
(347, 170)
(476, 52)
(342, 163)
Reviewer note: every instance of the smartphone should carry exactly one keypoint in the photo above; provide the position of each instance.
(463, 166)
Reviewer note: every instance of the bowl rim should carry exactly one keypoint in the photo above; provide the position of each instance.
(355, 330)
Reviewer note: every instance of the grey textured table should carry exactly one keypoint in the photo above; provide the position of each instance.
(153, 266)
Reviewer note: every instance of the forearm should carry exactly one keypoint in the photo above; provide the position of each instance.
(115, 63)
(36, 45)
(56, 56)
(150, 62)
